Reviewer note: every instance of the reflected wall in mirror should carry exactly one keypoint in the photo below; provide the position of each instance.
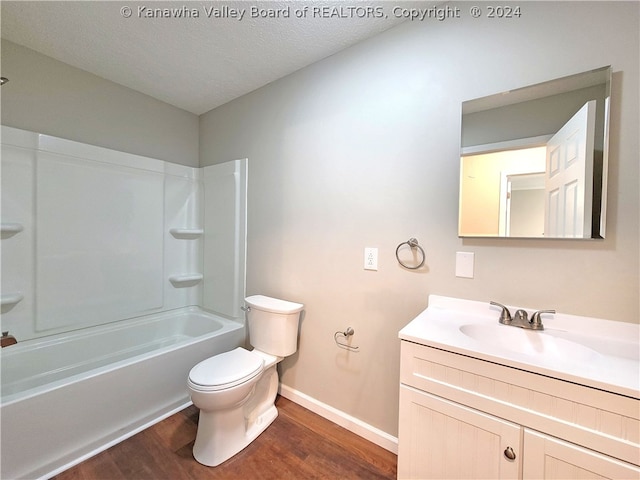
(533, 161)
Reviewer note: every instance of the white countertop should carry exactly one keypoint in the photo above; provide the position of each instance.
(597, 353)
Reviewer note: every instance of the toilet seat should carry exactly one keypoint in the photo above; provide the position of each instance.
(226, 370)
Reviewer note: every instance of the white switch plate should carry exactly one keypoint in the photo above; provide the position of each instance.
(370, 258)
(464, 264)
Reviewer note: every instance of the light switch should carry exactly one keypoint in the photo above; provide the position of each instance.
(464, 264)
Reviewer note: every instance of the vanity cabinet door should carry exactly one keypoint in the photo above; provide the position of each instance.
(444, 440)
(549, 458)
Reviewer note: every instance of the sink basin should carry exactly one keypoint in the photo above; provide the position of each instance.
(527, 342)
(624, 349)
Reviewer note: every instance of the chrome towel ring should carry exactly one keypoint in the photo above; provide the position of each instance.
(413, 243)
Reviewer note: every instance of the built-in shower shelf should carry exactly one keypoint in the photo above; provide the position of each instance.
(186, 279)
(186, 232)
(11, 298)
(11, 228)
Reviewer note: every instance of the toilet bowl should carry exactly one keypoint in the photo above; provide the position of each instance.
(236, 390)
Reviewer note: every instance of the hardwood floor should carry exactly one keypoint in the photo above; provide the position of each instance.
(298, 445)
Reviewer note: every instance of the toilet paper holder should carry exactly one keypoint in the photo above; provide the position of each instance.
(341, 339)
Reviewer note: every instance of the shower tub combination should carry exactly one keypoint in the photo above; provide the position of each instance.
(104, 257)
(67, 397)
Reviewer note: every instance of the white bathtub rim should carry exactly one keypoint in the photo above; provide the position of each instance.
(228, 325)
(46, 340)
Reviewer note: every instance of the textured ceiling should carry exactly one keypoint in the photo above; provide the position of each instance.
(196, 62)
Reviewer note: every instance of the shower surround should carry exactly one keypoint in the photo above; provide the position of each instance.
(94, 243)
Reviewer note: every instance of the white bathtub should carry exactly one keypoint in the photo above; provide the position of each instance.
(68, 397)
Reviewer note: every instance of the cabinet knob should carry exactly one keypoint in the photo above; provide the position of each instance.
(509, 453)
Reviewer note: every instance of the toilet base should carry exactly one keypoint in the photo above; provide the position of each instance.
(212, 450)
(223, 434)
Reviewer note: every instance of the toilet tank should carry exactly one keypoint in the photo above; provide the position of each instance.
(273, 325)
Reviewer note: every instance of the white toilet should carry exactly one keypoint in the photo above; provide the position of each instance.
(236, 391)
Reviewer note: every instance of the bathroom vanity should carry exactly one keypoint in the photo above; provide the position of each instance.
(483, 400)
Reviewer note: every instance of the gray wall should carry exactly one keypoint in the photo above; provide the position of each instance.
(51, 97)
(361, 150)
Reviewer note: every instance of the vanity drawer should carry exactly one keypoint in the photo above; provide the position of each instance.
(602, 421)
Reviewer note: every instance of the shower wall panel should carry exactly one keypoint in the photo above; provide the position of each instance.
(99, 241)
(225, 205)
(183, 235)
(17, 245)
(91, 235)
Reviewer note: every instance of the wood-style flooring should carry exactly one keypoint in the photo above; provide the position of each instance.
(298, 445)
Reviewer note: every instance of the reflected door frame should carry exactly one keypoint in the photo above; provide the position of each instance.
(506, 178)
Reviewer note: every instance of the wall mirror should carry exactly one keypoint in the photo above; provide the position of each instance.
(533, 161)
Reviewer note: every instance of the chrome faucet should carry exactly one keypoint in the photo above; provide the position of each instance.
(521, 317)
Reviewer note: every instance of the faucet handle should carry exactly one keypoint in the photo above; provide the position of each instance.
(536, 321)
(505, 315)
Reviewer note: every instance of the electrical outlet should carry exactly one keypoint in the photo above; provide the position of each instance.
(370, 258)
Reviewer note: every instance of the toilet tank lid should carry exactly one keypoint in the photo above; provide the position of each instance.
(273, 305)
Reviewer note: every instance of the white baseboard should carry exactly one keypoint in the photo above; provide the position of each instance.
(375, 435)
